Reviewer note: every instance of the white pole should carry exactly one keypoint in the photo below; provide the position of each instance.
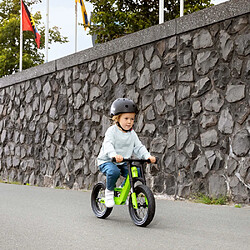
(47, 33)
(161, 11)
(181, 7)
(75, 26)
(21, 40)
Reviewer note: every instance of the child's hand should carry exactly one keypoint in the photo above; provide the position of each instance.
(118, 158)
(152, 159)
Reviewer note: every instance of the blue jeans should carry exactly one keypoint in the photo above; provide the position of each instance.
(113, 172)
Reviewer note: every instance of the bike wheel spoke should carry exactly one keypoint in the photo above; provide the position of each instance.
(144, 214)
(97, 197)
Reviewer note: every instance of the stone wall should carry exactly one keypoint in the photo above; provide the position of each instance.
(190, 78)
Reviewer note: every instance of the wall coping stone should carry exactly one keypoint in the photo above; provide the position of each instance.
(127, 42)
(212, 15)
(28, 74)
(173, 27)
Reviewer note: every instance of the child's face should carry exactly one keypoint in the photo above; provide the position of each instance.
(126, 120)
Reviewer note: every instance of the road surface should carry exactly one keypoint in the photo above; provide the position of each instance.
(43, 218)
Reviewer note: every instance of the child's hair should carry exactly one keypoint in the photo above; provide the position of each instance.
(116, 118)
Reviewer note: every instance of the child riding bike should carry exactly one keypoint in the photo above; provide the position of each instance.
(120, 142)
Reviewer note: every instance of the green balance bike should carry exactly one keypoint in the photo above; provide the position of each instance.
(141, 199)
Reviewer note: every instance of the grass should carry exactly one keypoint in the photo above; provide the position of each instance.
(202, 198)
(238, 205)
(60, 187)
(13, 182)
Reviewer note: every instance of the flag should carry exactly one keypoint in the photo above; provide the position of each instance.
(84, 13)
(29, 23)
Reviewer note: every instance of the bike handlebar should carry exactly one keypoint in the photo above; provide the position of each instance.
(134, 160)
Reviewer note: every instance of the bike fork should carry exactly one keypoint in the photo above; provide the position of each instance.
(134, 200)
(133, 194)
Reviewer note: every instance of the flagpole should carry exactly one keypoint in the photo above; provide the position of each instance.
(47, 32)
(161, 11)
(181, 7)
(75, 26)
(21, 39)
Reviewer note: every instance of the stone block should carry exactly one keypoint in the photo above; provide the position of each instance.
(209, 138)
(232, 165)
(158, 80)
(158, 145)
(184, 58)
(170, 58)
(226, 44)
(205, 61)
(160, 104)
(182, 136)
(213, 101)
(171, 137)
(95, 92)
(226, 123)
(169, 96)
(242, 44)
(148, 129)
(202, 39)
(108, 62)
(235, 93)
(196, 107)
(170, 184)
(183, 92)
(217, 186)
(202, 86)
(132, 75)
(186, 74)
(150, 113)
(192, 149)
(201, 166)
(208, 120)
(155, 63)
(241, 143)
(145, 78)
(169, 161)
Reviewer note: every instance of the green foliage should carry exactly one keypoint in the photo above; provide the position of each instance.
(116, 18)
(10, 182)
(202, 198)
(10, 38)
(238, 206)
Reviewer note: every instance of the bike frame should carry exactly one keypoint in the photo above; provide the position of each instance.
(121, 194)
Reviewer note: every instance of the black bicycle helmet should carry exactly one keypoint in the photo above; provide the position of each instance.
(122, 105)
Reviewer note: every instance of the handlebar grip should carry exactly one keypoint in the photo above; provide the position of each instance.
(148, 161)
(130, 160)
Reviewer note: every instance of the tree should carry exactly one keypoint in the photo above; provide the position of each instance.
(10, 38)
(115, 18)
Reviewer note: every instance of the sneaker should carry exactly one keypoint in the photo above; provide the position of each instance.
(109, 198)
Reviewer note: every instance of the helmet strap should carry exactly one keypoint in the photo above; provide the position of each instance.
(119, 125)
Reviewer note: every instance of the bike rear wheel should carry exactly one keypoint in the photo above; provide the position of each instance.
(99, 208)
(146, 206)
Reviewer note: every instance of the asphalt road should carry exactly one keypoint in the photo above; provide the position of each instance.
(43, 218)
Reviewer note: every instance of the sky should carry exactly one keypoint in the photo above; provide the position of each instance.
(62, 14)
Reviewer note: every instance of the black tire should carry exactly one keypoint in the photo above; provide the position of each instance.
(145, 212)
(99, 209)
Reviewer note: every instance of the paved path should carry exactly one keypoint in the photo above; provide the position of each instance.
(43, 218)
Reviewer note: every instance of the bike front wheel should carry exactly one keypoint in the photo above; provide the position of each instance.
(97, 197)
(145, 212)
